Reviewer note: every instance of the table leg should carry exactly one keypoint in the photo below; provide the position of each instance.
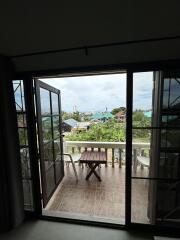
(92, 170)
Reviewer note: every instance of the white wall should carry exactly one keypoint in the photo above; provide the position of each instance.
(31, 26)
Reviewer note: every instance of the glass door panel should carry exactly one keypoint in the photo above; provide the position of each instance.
(156, 143)
(49, 122)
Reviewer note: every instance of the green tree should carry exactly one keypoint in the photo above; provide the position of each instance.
(76, 116)
(116, 110)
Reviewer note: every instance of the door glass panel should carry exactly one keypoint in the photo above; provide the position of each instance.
(168, 166)
(57, 150)
(170, 138)
(45, 102)
(19, 95)
(48, 154)
(155, 171)
(27, 188)
(46, 129)
(49, 138)
(56, 127)
(50, 180)
(23, 136)
(142, 99)
(170, 120)
(18, 86)
(55, 103)
(25, 162)
(171, 93)
(21, 118)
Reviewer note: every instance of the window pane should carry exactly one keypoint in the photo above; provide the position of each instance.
(155, 201)
(23, 136)
(57, 149)
(170, 121)
(27, 188)
(21, 118)
(166, 93)
(59, 168)
(19, 95)
(45, 102)
(169, 165)
(56, 127)
(171, 93)
(142, 99)
(170, 138)
(55, 103)
(46, 128)
(25, 163)
(50, 179)
(139, 201)
(48, 154)
(141, 136)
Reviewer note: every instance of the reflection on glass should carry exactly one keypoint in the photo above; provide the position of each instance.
(59, 169)
(27, 189)
(46, 129)
(21, 118)
(170, 138)
(168, 199)
(139, 201)
(169, 165)
(25, 163)
(55, 103)
(171, 93)
(23, 139)
(45, 102)
(170, 120)
(56, 127)
(50, 180)
(155, 201)
(19, 95)
(23, 136)
(57, 149)
(48, 154)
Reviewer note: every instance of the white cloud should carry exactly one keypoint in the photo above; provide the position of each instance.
(95, 93)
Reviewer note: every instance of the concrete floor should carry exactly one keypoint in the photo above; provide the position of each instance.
(47, 230)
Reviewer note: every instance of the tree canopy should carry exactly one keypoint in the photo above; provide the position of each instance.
(116, 110)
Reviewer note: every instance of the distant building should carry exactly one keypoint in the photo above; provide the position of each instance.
(148, 114)
(101, 117)
(81, 127)
(68, 124)
(120, 116)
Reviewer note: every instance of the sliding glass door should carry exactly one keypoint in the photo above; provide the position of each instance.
(155, 176)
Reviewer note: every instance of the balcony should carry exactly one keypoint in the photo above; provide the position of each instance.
(104, 200)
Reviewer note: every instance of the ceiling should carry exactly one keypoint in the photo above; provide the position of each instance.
(31, 26)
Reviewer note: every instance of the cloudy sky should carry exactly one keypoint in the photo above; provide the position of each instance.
(96, 93)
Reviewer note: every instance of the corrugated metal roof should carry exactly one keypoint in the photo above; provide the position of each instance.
(71, 122)
(102, 116)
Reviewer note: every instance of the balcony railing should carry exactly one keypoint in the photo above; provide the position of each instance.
(115, 150)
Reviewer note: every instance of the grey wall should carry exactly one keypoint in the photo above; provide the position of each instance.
(30, 26)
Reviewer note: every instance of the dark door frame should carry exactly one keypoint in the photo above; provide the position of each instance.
(41, 85)
(130, 68)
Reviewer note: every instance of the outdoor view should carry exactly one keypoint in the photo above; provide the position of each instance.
(94, 107)
(94, 119)
(87, 179)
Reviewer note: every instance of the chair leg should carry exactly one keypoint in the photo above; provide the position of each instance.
(74, 168)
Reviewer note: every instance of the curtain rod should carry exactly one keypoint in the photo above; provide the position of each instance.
(85, 48)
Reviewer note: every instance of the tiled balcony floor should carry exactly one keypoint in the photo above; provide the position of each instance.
(105, 199)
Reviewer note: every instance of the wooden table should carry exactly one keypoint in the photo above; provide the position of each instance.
(93, 159)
